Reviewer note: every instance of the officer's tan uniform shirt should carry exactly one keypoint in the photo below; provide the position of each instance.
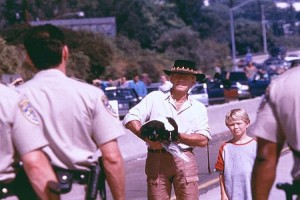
(279, 114)
(76, 115)
(20, 130)
(191, 118)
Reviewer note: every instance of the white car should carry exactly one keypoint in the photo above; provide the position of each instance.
(199, 92)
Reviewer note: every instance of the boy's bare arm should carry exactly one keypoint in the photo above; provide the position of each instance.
(222, 187)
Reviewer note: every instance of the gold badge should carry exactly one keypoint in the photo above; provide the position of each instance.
(28, 111)
(108, 107)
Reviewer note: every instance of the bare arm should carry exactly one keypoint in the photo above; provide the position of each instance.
(193, 139)
(135, 126)
(40, 173)
(264, 170)
(222, 187)
(114, 168)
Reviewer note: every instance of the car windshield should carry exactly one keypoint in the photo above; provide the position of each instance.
(199, 89)
(119, 94)
(238, 77)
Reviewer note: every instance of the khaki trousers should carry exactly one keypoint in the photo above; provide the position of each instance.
(164, 170)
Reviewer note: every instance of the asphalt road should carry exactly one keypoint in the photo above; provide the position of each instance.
(136, 188)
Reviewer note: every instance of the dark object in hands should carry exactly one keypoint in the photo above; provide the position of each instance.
(163, 129)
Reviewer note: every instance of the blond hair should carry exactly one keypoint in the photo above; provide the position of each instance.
(237, 114)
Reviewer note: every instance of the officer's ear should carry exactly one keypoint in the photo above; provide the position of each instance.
(65, 53)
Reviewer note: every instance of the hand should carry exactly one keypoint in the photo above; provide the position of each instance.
(154, 144)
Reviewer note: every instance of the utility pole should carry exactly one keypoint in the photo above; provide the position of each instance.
(263, 23)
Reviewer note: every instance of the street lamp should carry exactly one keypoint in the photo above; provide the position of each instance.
(233, 49)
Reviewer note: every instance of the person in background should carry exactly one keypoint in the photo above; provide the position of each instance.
(20, 123)
(78, 120)
(138, 85)
(236, 158)
(277, 123)
(163, 169)
(250, 70)
(165, 85)
(146, 79)
(123, 82)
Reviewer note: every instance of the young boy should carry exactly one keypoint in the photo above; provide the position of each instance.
(236, 158)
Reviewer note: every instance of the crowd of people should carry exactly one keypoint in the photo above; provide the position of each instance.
(59, 135)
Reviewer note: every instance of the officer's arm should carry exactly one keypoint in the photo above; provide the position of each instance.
(114, 168)
(40, 173)
(264, 170)
(222, 187)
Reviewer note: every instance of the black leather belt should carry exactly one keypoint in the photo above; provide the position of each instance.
(165, 151)
(6, 190)
(76, 176)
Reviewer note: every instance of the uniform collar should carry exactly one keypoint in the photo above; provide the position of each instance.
(49, 72)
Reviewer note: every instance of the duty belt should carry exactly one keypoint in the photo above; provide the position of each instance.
(67, 177)
(295, 152)
(6, 190)
(94, 179)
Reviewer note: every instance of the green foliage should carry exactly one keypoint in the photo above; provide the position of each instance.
(150, 34)
(185, 44)
(248, 34)
(10, 58)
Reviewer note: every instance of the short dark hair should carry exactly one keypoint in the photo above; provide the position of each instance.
(44, 46)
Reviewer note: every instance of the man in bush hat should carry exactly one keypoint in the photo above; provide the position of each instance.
(162, 168)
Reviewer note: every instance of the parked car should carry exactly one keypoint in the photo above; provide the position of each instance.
(215, 91)
(199, 92)
(258, 87)
(126, 97)
(275, 66)
(236, 85)
(153, 87)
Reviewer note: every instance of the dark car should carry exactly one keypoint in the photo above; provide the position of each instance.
(236, 85)
(126, 97)
(215, 91)
(258, 87)
(275, 66)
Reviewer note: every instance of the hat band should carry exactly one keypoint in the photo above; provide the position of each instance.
(182, 69)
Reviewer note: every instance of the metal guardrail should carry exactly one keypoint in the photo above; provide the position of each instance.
(261, 57)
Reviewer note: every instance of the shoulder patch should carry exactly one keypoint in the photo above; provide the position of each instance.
(108, 107)
(28, 111)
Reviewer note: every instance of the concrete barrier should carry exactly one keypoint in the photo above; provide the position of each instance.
(216, 113)
(134, 148)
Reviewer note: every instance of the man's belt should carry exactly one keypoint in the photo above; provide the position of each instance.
(165, 151)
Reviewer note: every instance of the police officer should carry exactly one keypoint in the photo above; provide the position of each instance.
(278, 121)
(162, 169)
(77, 117)
(22, 137)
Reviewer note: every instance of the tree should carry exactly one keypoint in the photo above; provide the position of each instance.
(186, 44)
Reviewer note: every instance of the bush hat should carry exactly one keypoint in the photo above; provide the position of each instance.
(185, 67)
